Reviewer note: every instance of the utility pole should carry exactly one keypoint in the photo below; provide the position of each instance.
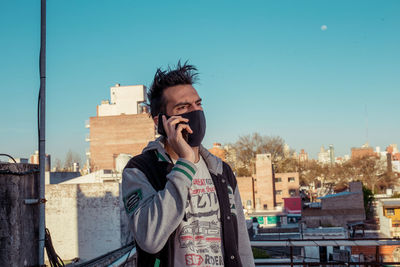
(42, 133)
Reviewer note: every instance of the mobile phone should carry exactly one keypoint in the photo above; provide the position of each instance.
(160, 126)
(161, 130)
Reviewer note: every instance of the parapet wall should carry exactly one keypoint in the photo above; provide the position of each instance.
(19, 223)
(85, 219)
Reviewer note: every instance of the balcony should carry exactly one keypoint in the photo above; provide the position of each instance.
(87, 138)
(126, 256)
(87, 124)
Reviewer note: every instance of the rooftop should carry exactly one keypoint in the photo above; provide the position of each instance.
(338, 195)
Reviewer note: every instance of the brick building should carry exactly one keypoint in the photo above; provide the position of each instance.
(337, 209)
(359, 152)
(267, 189)
(121, 126)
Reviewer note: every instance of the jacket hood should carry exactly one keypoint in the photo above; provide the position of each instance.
(214, 163)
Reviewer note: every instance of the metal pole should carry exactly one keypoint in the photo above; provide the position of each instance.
(291, 256)
(42, 136)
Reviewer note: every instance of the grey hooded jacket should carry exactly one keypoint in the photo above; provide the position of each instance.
(154, 215)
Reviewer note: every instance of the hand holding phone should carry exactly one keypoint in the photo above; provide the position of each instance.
(161, 130)
(177, 129)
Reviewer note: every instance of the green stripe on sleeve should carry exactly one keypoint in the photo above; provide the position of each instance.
(157, 263)
(187, 166)
(160, 156)
(184, 172)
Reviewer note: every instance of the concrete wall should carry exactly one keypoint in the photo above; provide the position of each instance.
(336, 210)
(19, 223)
(385, 223)
(350, 201)
(60, 177)
(85, 219)
(327, 218)
(114, 135)
(124, 100)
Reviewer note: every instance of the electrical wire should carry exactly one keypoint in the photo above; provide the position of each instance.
(127, 258)
(9, 157)
(55, 260)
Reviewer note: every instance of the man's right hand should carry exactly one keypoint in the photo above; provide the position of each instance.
(175, 138)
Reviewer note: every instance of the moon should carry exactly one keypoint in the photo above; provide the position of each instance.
(324, 28)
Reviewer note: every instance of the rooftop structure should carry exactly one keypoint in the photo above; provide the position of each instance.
(337, 209)
(124, 100)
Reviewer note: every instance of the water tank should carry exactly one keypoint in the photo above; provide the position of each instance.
(389, 191)
(121, 161)
(75, 167)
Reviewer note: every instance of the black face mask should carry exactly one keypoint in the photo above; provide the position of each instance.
(197, 122)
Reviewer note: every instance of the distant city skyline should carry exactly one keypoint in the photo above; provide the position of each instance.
(303, 70)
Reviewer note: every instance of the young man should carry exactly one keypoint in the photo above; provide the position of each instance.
(183, 202)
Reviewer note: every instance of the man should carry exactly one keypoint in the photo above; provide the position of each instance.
(183, 202)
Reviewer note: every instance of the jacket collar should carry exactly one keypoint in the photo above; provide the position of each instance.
(214, 163)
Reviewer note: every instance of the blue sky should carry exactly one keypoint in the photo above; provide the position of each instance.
(265, 66)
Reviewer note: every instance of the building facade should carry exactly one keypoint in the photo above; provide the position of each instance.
(267, 190)
(337, 209)
(122, 126)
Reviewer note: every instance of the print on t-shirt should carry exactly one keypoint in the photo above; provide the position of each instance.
(198, 238)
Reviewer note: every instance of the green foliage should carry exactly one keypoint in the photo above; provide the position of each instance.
(260, 253)
(368, 199)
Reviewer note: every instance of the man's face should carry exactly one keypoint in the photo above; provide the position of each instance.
(181, 99)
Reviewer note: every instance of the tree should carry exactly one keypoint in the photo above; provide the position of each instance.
(57, 164)
(70, 158)
(368, 199)
(248, 146)
(370, 170)
(287, 164)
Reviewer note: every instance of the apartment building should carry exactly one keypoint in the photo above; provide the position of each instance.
(122, 125)
(267, 190)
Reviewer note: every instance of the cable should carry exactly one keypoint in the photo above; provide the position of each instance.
(55, 260)
(9, 157)
(127, 258)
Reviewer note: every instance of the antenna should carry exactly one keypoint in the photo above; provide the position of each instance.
(366, 125)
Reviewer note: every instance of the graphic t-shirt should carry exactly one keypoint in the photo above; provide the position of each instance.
(198, 237)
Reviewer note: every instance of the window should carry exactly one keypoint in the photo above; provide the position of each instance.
(390, 212)
(278, 179)
(291, 179)
(292, 192)
(248, 203)
(278, 192)
(279, 204)
(265, 206)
